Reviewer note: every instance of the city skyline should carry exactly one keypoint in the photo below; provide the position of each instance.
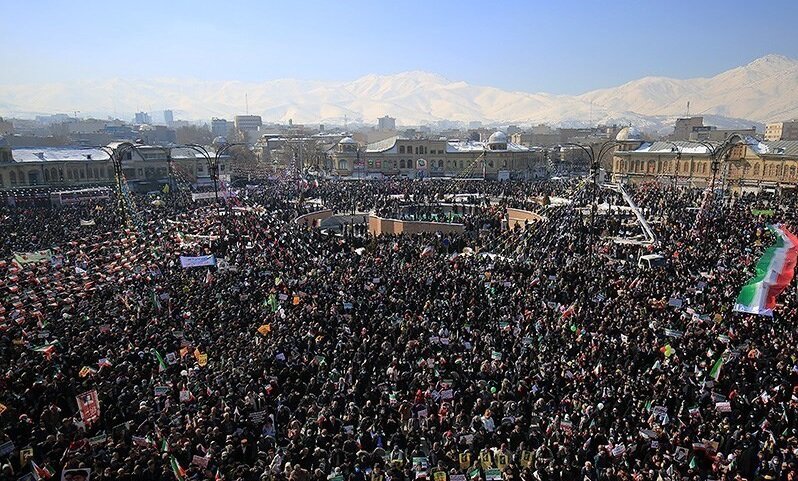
(756, 93)
(564, 48)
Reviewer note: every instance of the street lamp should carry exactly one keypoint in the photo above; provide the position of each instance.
(595, 160)
(213, 162)
(719, 152)
(675, 149)
(115, 156)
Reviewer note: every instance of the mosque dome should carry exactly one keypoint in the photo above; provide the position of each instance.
(629, 134)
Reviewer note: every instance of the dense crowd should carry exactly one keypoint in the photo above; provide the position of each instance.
(542, 352)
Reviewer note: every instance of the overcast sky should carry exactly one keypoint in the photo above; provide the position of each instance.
(563, 47)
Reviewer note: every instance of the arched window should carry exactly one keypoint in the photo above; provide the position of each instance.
(342, 164)
(1, 180)
(756, 169)
(46, 175)
(401, 149)
(53, 174)
(12, 178)
(402, 164)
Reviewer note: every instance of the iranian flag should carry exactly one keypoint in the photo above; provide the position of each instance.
(774, 272)
(180, 473)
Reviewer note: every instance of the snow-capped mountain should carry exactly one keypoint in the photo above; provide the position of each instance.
(764, 90)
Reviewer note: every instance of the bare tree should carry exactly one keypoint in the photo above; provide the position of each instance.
(193, 134)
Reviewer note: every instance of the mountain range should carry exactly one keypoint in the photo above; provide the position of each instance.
(761, 91)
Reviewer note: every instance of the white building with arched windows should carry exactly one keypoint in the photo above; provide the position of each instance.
(145, 168)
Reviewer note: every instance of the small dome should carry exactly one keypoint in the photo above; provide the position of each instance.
(497, 137)
(629, 134)
(347, 140)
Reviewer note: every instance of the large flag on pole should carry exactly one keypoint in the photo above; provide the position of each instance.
(774, 272)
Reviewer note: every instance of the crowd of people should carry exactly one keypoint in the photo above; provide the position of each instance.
(542, 352)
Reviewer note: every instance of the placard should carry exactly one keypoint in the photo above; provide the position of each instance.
(89, 406)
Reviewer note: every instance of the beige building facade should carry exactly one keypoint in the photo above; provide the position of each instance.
(496, 158)
(146, 167)
(749, 165)
(787, 130)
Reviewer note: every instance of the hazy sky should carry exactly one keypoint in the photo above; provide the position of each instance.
(559, 46)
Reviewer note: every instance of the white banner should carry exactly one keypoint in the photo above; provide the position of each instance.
(209, 195)
(198, 261)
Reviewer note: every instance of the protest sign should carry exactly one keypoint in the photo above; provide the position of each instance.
(723, 406)
(6, 448)
(33, 257)
(161, 391)
(493, 474)
(198, 261)
(89, 406)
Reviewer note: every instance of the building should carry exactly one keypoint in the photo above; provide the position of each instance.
(495, 158)
(145, 167)
(277, 152)
(712, 133)
(684, 126)
(539, 135)
(787, 130)
(750, 165)
(157, 134)
(249, 126)
(219, 127)
(142, 118)
(168, 118)
(386, 123)
(6, 127)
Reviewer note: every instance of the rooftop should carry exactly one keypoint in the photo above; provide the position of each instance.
(38, 154)
(781, 147)
(388, 146)
(82, 154)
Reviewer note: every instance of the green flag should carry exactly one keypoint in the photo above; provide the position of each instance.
(161, 363)
(272, 302)
(715, 372)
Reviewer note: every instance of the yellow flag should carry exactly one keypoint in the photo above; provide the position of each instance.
(501, 461)
(484, 460)
(526, 459)
(84, 371)
(439, 476)
(465, 460)
(265, 329)
(165, 189)
(202, 359)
